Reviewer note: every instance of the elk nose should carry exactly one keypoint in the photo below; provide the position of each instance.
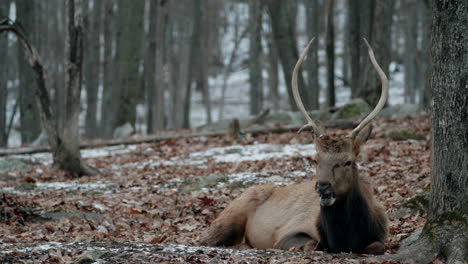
(323, 187)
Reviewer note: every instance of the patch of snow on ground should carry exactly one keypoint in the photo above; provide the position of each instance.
(69, 186)
(239, 153)
(45, 158)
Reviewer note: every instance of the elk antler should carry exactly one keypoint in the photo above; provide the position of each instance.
(383, 96)
(310, 123)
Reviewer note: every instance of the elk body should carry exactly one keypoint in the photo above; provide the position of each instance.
(335, 211)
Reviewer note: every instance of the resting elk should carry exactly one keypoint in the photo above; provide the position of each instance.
(335, 211)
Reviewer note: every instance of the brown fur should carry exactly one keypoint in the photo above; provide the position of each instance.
(290, 216)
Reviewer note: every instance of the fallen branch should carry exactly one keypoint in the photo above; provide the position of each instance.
(154, 138)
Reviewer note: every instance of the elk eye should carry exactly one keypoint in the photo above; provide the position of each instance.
(348, 163)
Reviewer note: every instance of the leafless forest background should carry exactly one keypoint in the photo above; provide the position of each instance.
(166, 65)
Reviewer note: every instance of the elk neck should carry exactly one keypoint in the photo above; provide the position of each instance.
(348, 225)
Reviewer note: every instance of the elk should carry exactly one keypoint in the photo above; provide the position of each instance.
(335, 211)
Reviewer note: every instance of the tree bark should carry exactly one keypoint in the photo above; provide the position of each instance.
(64, 143)
(110, 28)
(287, 49)
(445, 232)
(330, 50)
(380, 35)
(354, 22)
(255, 60)
(312, 63)
(131, 14)
(26, 14)
(3, 79)
(92, 65)
(158, 109)
(411, 32)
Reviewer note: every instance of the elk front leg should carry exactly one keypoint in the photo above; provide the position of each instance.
(229, 228)
(376, 248)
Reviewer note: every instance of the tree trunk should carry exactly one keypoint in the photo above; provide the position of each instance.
(330, 49)
(255, 60)
(3, 80)
(149, 68)
(312, 63)
(110, 28)
(26, 14)
(381, 20)
(445, 232)
(64, 143)
(410, 16)
(131, 14)
(287, 49)
(424, 58)
(354, 23)
(158, 108)
(273, 78)
(92, 66)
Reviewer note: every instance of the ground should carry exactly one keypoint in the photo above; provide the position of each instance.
(153, 201)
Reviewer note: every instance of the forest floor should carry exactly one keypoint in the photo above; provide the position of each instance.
(153, 201)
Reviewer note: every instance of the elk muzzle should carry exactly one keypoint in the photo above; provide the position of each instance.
(327, 196)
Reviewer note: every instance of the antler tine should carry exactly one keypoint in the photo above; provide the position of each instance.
(383, 96)
(297, 98)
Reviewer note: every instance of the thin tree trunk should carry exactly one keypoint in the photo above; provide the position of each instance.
(237, 40)
(354, 22)
(445, 233)
(26, 14)
(149, 68)
(287, 49)
(3, 80)
(312, 63)
(411, 50)
(158, 109)
(131, 13)
(273, 78)
(424, 61)
(382, 20)
(255, 60)
(64, 143)
(107, 103)
(330, 49)
(92, 69)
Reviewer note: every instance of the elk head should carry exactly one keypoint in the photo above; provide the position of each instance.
(336, 156)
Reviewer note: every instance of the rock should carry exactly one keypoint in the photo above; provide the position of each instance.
(12, 164)
(400, 110)
(125, 130)
(405, 243)
(405, 135)
(198, 183)
(353, 108)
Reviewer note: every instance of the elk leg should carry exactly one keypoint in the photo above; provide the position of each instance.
(229, 228)
(376, 248)
(297, 240)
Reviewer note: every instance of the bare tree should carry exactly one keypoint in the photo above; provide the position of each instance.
(445, 233)
(64, 143)
(92, 23)
(330, 49)
(287, 48)
(3, 80)
(158, 108)
(255, 60)
(130, 39)
(110, 43)
(27, 16)
(312, 63)
(379, 32)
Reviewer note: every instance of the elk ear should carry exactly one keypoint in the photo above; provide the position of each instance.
(364, 134)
